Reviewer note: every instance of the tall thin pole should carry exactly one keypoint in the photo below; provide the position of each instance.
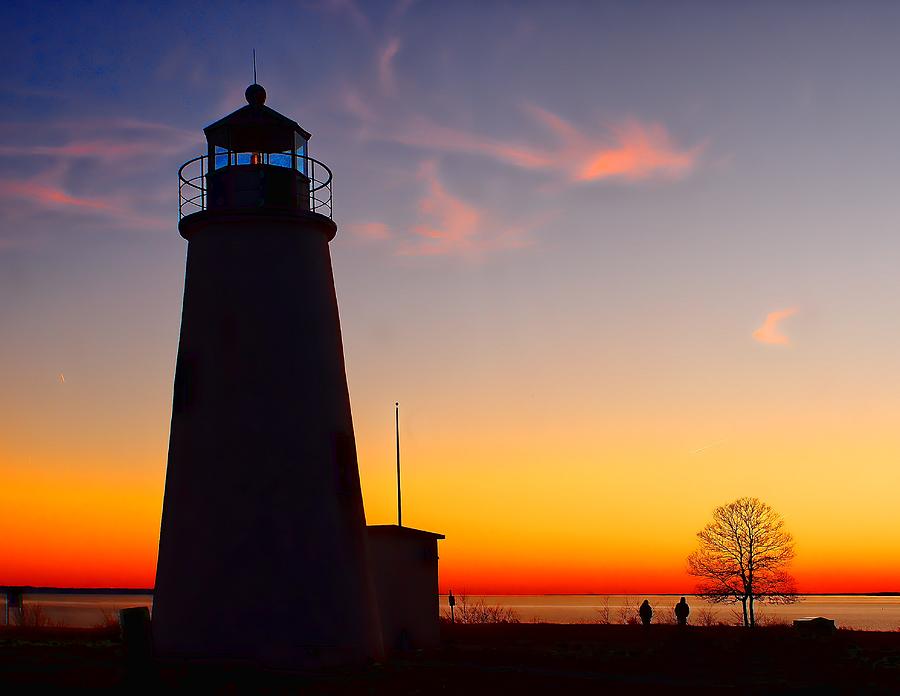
(254, 66)
(397, 430)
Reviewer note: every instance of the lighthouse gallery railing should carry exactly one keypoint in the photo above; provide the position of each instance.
(192, 190)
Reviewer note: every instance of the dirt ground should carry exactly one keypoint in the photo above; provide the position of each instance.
(498, 659)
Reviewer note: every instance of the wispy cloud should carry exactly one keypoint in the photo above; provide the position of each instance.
(638, 151)
(355, 103)
(422, 133)
(351, 11)
(77, 166)
(105, 141)
(45, 194)
(561, 151)
(371, 231)
(770, 332)
(449, 223)
(48, 195)
(630, 150)
(711, 445)
(385, 64)
(446, 225)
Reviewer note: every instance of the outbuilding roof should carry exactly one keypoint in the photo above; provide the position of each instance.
(401, 531)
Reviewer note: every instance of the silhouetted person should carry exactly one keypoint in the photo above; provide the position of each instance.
(681, 612)
(646, 613)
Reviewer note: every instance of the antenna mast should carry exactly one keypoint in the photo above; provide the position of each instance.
(254, 66)
(397, 430)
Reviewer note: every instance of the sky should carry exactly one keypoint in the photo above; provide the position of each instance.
(619, 262)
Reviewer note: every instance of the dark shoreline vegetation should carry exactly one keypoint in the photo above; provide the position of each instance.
(484, 658)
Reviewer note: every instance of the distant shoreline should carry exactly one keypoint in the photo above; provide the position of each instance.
(30, 589)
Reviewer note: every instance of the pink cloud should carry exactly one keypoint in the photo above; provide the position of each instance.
(769, 331)
(373, 231)
(48, 195)
(450, 226)
(122, 140)
(638, 151)
(628, 151)
(47, 191)
(355, 104)
(107, 141)
(446, 225)
(385, 64)
(113, 144)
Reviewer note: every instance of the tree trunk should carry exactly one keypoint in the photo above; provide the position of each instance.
(752, 613)
(744, 607)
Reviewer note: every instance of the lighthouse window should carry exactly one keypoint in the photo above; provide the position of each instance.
(221, 158)
(301, 158)
(280, 159)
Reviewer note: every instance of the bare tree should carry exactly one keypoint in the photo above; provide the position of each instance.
(742, 557)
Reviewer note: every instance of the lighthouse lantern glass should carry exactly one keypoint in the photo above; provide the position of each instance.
(301, 146)
(221, 158)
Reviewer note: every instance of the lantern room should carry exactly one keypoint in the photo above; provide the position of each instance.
(256, 158)
(256, 134)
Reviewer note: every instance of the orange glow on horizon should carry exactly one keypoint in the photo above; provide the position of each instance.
(514, 523)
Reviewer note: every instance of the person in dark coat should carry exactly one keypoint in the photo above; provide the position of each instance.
(682, 610)
(646, 613)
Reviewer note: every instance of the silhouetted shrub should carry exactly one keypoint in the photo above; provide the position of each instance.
(628, 613)
(772, 620)
(605, 612)
(477, 612)
(34, 616)
(109, 622)
(705, 617)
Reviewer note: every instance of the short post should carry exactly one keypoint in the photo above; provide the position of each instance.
(135, 625)
(14, 601)
(451, 600)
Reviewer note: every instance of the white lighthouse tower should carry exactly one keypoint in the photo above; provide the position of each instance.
(262, 552)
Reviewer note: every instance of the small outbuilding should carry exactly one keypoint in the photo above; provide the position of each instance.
(815, 625)
(404, 564)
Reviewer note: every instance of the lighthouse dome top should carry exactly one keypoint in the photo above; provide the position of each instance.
(256, 128)
(255, 94)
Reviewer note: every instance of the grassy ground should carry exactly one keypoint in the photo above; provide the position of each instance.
(501, 660)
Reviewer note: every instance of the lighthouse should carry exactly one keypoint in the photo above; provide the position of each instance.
(262, 551)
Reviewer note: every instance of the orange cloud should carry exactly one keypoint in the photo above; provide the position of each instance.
(638, 153)
(631, 150)
(769, 331)
(628, 151)
(47, 195)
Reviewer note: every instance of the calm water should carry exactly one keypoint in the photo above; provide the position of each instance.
(871, 613)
